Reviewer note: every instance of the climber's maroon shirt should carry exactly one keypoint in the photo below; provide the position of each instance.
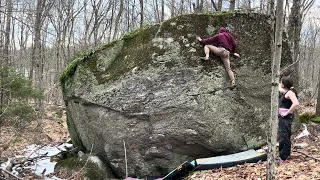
(222, 39)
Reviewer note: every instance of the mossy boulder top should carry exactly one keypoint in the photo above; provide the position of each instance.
(151, 92)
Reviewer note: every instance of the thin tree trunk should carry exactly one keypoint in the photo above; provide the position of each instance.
(127, 14)
(201, 6)
(118, 20)
(86, 24)
(214, 5)
(271, 7)
(172, 11)
(219, 5)
(96, 22)
(318, 99)
(162, 10)
(132, 24)
(156, 11)
(197, 6)
(141, 13)
(14, 45)
(274, 91)
(6, 52)
(36, 50)
(232, 5)
(182, 7)
(111, 21)
(294, 28)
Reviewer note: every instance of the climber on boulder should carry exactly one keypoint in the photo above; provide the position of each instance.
(221, 44)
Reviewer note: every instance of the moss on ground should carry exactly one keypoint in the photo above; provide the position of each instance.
(309, 117)
(316, 119)
(73, 165)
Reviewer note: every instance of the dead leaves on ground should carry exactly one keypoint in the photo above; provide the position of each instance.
(307, 170)
(13, 140)
(297, 167)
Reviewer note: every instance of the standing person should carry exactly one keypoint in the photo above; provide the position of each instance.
(221, 44)
(288, 102)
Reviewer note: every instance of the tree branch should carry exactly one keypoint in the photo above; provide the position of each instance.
(306, 155)
(214, 5)
(5, 172)
(283, 70)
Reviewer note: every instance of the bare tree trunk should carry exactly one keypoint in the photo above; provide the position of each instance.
(6, 52)
(13, 45)
(127, 7)
(214, 5)
(182, 7)
(118, 20)
(318, 99)
(133, 16)
(96, 25)
(232, 5)
(198, 6)
(201, 6)
(219, 5)
(141, 13)
(1, 35)
(111, 20)
(172, 11)
(294, 28)
(271, 7)
(274, 91)
(86, 23)
(156, 11)
(4, 95)
(162, 10)
(36, 60)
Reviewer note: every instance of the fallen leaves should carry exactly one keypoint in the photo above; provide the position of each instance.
(297, 167)
(14, 140)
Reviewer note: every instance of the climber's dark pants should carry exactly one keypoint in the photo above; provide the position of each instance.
(284, 134)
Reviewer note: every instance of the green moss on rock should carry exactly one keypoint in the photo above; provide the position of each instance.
(306, 117)
(134, 32)
(222, 13)
(316, 119)
(73, 165)
(71, 67)
(133, 52)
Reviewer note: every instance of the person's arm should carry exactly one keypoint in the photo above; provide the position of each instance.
(295, 103)
(234, 47)
(210, 40)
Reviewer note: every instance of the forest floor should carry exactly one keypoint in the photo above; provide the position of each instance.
(304, 162)
(52, 130)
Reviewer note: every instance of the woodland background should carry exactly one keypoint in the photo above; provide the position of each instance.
(39, 38)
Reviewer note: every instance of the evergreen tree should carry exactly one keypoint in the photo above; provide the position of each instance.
(16, 89)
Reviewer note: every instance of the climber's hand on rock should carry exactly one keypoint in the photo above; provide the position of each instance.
(236, 54)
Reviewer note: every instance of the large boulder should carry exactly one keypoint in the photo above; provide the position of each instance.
(150, 96)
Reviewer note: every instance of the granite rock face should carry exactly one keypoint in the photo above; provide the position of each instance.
(150, 91)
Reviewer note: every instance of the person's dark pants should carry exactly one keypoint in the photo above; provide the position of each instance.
(284, 134)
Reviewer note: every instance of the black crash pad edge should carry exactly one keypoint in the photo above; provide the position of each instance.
(255, 159)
